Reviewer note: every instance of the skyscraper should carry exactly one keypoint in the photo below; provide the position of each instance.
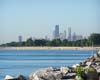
(56, 32)
(74, 37)
(62, 35)
(69, 34)
(65, 34)
(20, 39)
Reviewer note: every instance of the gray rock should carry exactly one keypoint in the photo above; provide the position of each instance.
(46, 74)
(97, 69)
(91, 75)
(64, 70)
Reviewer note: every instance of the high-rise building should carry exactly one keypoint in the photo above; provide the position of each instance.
(69, 34)
(56, 32)
(79, 37)
(74, 37)
(63, 35)
(46, 37)
(20, 38)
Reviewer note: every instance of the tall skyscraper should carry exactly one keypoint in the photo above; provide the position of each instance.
(56, 32)
(69, 34)
(62, 35)
(79, 37)
(74, 37)
(65, 34)
(20, 39)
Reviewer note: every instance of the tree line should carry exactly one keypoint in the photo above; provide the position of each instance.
(93, 39)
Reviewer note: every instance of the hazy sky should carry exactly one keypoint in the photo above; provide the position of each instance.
(37, 18)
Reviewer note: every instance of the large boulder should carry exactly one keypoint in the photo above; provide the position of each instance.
(46, 74)
(21, 77)
(91, 74)
(38, 75)
(97, 69)
(8, 77)
(75, 65)
(88, 63)
(78, 78)
(64, 70)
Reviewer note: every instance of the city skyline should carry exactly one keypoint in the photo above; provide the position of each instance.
(36, 18)
(69, 35)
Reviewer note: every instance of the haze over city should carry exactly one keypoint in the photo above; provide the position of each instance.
(37, 18)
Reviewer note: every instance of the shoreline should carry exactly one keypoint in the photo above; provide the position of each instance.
(49, 48)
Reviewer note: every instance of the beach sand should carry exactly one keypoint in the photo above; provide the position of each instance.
(49, 48)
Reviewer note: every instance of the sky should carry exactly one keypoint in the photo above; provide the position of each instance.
(37, 18)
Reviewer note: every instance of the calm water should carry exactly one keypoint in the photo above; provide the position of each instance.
(16, 62)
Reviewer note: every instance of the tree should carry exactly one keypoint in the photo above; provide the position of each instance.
(29, 42)
(65, 42)
(14, 44)
(40, 42)
(94, 38)
(56, 42)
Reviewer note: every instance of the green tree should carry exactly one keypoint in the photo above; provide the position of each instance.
(95, 39)
(56, 42)
(40, 42)
(85, 42)
(29, 42)
(65, 42)
(14, 44)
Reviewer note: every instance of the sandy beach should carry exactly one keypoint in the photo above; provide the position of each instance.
(49, 48)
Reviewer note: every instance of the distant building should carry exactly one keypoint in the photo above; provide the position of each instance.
(20, 38)
(56, 32)
(62, 35)
(65, 34)
(79, 37)
(46, 38)
(76, 37)
(69, 34)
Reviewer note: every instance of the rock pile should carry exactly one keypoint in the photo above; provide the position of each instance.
(90, 66)
(93, 61)
(52, 74)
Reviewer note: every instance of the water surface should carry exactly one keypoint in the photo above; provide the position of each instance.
(16, 62)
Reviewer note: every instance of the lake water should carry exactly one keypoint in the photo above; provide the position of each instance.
(16, 62)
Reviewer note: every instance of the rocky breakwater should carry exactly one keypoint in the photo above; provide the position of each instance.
(89, 69)
(51, 73)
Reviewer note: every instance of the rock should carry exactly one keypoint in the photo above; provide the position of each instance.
(97, 63)
(8, 77)
(97, 69)
(88, 63)
(78, 78)
(49, 77)
(21, 77)
(71, 74)
(97, 59)
(34, 77)
(64, 70)
(95, 55)
(46, 74)
(99, 52)
(91, 74)
(74, 66)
